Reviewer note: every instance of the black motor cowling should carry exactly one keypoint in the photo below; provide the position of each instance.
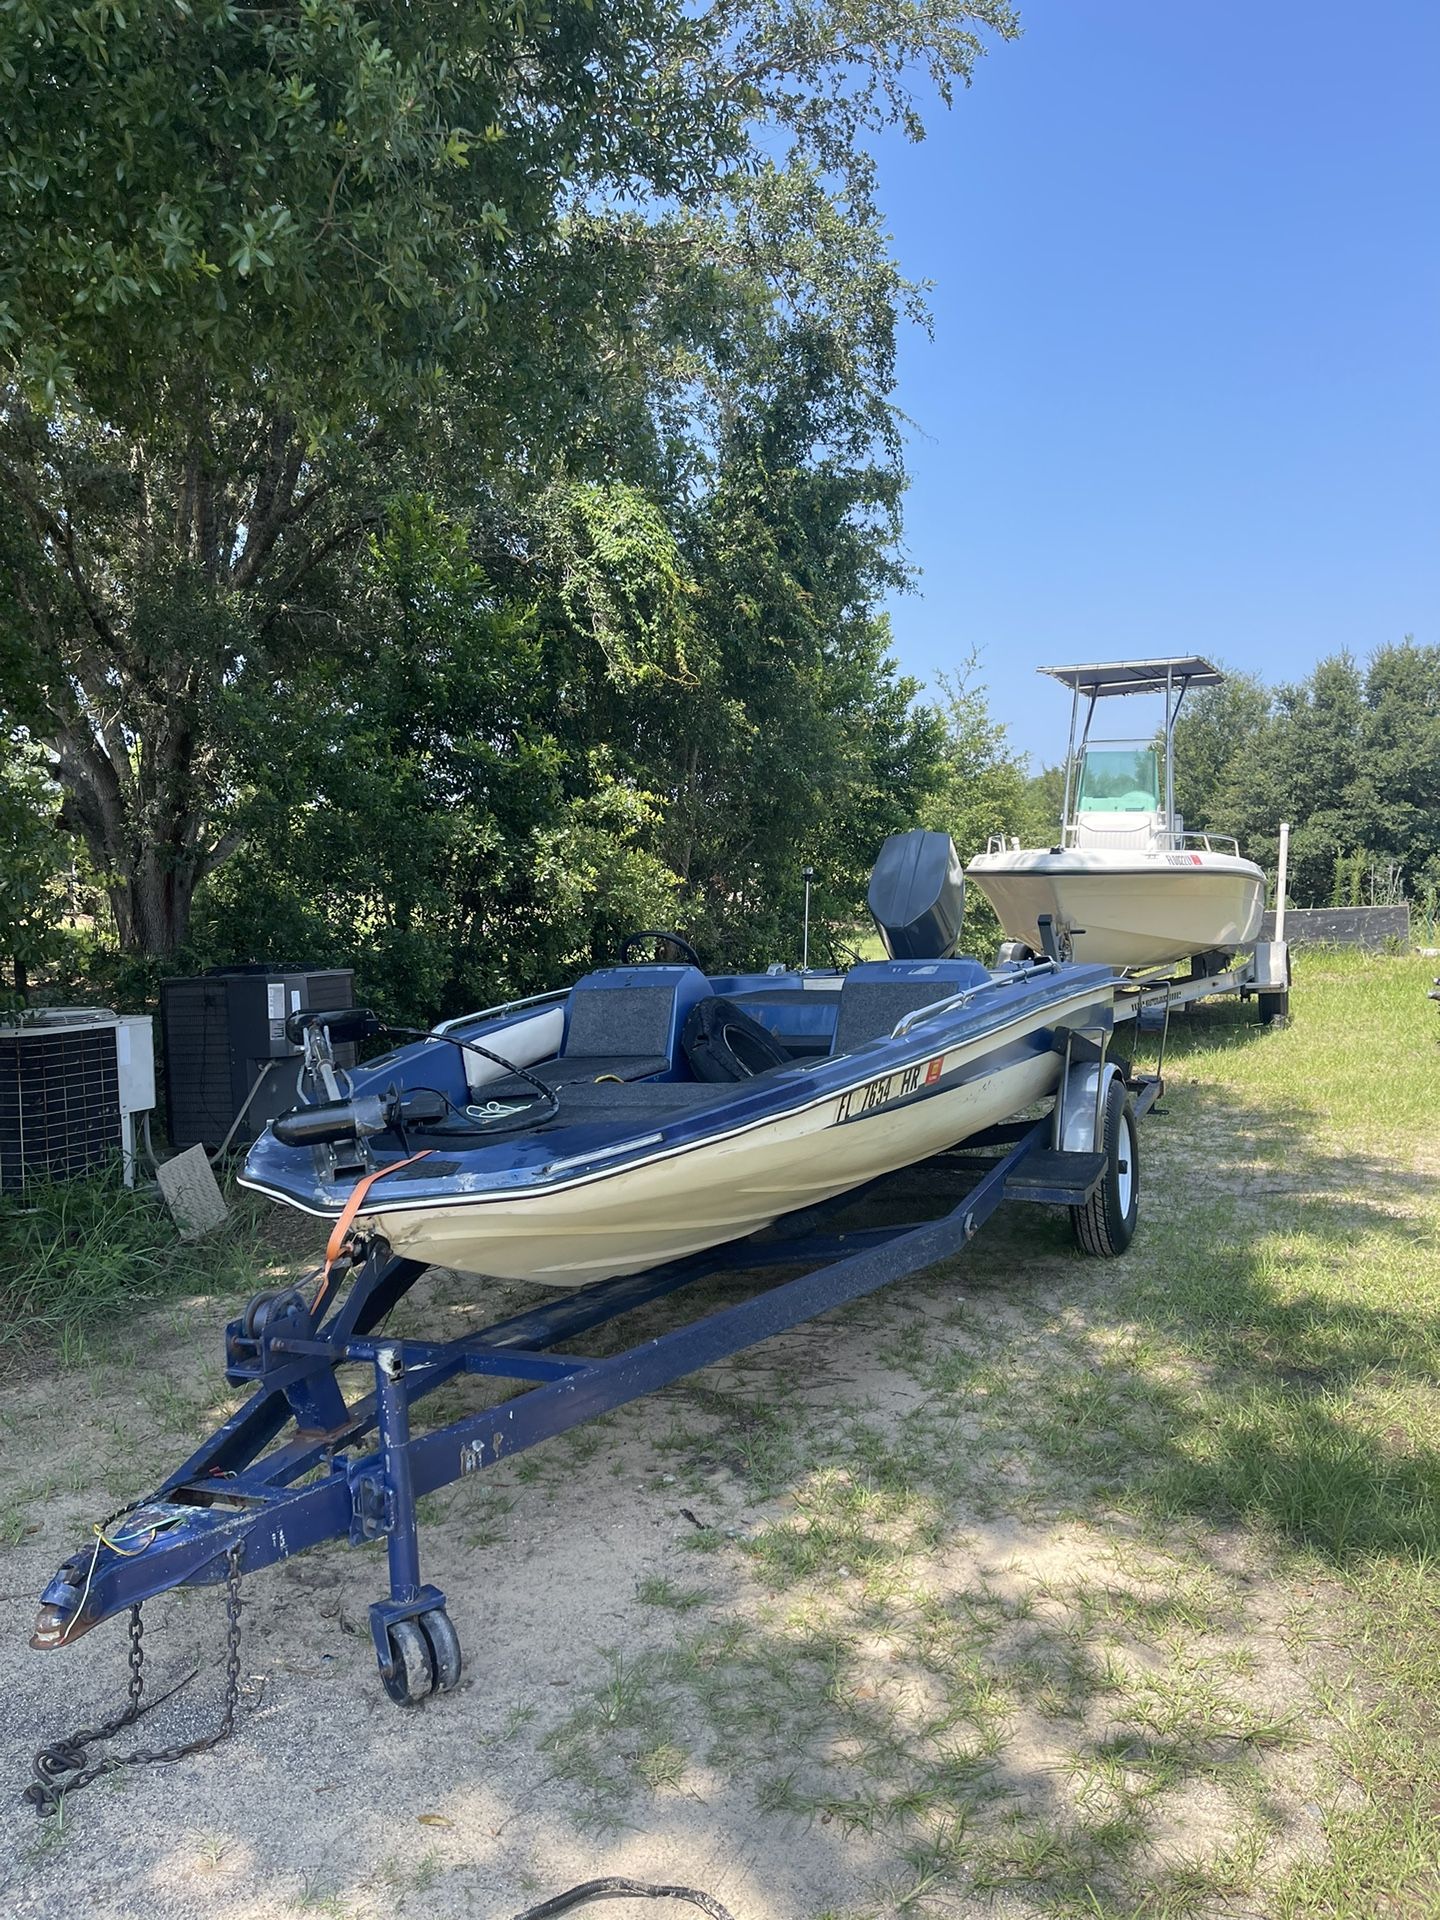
(917, 895)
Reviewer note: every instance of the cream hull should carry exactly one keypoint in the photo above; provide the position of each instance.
(1126, 909)
(719, 1189)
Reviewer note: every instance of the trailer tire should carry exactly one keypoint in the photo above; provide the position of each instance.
(412, 1670)
(1105, 1224)
(444, 1645)
(1272, 1007)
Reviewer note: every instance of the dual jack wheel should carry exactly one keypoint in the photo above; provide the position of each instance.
(424, 1658)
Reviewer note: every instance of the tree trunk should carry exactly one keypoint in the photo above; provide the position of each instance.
(139, 818)
(151, 900)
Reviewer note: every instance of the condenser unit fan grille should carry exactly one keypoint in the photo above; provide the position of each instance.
(59, 1104)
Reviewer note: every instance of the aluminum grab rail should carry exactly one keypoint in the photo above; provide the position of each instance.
(955, 1000)
(1210, 842)
(1207, 840)
(506, 1006)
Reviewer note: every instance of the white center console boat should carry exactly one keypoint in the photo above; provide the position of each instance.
(1126, 887)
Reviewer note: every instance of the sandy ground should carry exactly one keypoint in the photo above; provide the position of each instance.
(331, 1800)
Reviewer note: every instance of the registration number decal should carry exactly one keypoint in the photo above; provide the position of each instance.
(856, 1102)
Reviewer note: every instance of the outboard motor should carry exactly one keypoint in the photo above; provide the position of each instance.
(917, 895)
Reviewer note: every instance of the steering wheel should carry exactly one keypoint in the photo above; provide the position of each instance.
(682, 947)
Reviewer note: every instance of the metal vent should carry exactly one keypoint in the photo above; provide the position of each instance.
(59, 1103)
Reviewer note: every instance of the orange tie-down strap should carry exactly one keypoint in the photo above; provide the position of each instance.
(340, 1232)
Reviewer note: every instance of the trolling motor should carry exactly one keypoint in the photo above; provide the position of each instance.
(339, 1118)
(339, 1125)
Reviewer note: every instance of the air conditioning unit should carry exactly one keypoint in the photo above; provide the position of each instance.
(224, 1037)
(72, 1082)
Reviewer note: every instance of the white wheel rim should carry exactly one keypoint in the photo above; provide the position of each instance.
(1125, 1167)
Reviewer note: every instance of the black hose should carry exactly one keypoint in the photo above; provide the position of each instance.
(619, 1889)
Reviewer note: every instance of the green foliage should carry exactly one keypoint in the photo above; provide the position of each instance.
(414, 813)
(984, 781)
(983, 791)
(803, 746)
(269, 267)
(1219, 727)
(330, 193)
(1347, 756)
(33, 857)
(616, 577)
(81, 1253)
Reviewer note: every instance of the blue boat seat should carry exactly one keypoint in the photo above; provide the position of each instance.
(878, 993)
(626, 1022)
(621, 1023)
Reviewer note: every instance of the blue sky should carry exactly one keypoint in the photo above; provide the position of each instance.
(1184, 387)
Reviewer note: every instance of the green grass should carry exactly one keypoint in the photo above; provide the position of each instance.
(1228, 1699)
(79, 1258)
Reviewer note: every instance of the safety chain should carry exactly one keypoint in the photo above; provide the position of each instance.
(64, 1766)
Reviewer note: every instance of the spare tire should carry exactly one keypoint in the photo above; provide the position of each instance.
(722, 1042)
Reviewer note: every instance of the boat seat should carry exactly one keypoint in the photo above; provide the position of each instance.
(621, 1023)
(878, 993)
(627, 1021)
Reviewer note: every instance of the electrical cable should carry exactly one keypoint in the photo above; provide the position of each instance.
(547, 1094)
(219, 1154)
(150, 1153)
(617, 1888)
(473, 1119)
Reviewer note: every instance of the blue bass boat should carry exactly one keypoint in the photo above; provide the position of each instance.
(650, 1111)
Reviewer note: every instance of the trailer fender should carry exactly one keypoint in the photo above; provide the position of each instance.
(1082, 1105)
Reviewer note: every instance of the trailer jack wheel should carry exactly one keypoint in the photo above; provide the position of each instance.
(444, 1644)
(411, 1672)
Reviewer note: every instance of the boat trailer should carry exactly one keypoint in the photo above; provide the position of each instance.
(297, 1464)
(1261, 973)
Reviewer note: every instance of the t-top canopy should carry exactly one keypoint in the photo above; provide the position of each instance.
(1136, 676)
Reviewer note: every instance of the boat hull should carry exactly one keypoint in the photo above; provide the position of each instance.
(1124, 909)
(639, 1217)
(899, 1106)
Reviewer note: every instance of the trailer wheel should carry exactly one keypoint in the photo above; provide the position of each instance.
(444, 1645)
(1105, 1225)
(412, 1671)
(1272, 1007)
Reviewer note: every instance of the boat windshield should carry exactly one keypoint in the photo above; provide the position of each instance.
(1119, 780)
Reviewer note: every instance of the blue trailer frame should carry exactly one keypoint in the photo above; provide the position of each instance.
(242, 1502)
